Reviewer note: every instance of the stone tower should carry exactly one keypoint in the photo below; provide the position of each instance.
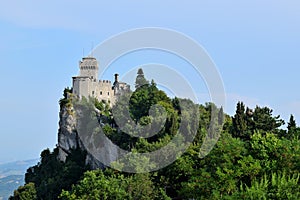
(89, 68)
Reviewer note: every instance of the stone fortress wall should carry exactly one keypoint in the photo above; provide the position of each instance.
(87, 83)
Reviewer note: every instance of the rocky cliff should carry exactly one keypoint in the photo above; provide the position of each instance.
(71, 120)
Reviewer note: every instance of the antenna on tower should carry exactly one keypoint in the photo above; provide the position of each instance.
(83, 52)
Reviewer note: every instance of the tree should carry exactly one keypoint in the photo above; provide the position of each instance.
(218, 173)
(274, 186)
(239, 122)
(143, 98)
(105, 185)
(292, 127)
(221, 116)
(95, 186)
(66, 100)
(249, 120)
(50, 175)
(140, 79)
(291, 124)
(25, 192)
(275, 153)
(264, 120)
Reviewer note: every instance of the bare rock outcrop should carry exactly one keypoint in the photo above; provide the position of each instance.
(69, 139)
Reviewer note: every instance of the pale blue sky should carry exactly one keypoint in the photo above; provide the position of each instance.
(255, 45)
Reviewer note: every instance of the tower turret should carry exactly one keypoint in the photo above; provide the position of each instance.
(89, 68)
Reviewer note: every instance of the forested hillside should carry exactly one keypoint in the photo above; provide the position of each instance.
(254, 158)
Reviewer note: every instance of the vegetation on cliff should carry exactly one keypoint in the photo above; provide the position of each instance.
(253, 159)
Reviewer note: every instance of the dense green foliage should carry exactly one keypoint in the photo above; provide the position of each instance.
(253, 159)
(25, 192)
(50, 176)
(114, 186)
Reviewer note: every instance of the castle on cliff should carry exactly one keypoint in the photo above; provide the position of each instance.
(87, 83)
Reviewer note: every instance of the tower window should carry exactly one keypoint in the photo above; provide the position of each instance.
(100, 92)
(93, 92)
(108, 93)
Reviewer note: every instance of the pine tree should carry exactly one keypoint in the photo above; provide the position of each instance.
(265, 121)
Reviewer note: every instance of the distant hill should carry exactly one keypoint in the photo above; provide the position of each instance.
(16, 168)
(12, 176)
(9, 184)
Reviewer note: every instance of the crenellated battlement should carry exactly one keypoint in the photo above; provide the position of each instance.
(104, 81)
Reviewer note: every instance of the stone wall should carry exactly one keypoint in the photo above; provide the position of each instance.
(81, 86)
(87, 84)
(102, 90)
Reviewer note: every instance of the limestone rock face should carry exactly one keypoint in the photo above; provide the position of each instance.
(68, 137)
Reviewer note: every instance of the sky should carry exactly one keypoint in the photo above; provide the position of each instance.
(254, 45)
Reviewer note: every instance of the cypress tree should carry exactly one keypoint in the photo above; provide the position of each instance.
(140, 79)
(239, 122)
(291, 127)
